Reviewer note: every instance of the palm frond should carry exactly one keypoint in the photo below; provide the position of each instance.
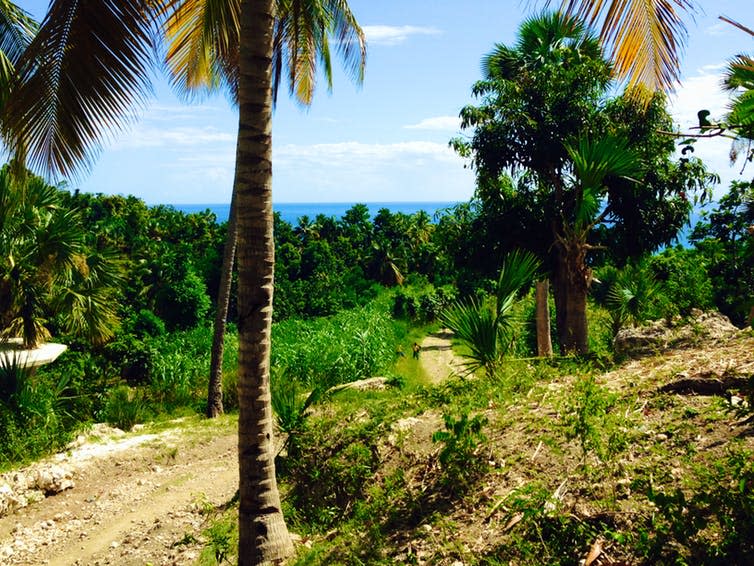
(301, 42)
(519, 268)
(203, 46)
(81, 78)
(646, 37)
(594, 159)
(17, 28)
(474, 325)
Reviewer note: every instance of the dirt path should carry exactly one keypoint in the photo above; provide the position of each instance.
(140, 499)
(437, 358)
(143, 498)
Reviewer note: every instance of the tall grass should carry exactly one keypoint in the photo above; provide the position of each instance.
(346, 347)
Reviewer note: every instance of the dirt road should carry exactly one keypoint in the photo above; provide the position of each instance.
(138, 499)
(437, 358)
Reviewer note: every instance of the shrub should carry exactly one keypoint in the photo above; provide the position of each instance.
(124, 408)
(460, 457)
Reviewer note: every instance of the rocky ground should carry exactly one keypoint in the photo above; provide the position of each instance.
(113, 498)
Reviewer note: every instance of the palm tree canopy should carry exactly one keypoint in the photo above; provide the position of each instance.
(203, 42)
(87, 72)
(645, 38)
(545, 39)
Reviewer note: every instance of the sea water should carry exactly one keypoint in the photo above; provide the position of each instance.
(292, 211)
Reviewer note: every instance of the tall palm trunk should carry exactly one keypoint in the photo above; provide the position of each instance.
(263, 537)
(215, 389)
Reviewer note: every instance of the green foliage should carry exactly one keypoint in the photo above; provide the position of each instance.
(144, 323)
(487, 329)
(542, 533)
(48, 270)
(630, 295)
(424, 304)
(710, 522)
(290, 405)
(725, 245)
(332, 470)
(33, 421)
(683, 283)
(124, 408)
(349, 346)
(586, 414)
(461, 456)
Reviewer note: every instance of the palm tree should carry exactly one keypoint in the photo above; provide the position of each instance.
(46, 269)
(66, 102)
(645, 38)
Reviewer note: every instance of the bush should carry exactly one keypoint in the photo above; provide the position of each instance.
(683, 283)
(183, 303)
(124, 408)
(423, 304)
(32, 420)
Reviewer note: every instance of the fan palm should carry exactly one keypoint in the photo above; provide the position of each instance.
(46, 268)
(486, 329)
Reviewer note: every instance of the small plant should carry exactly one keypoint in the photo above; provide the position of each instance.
(586, 415)
(460, 456)
(486, 328)
(290, 405)
(124, 408)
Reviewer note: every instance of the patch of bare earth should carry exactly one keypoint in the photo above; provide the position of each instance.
(667, 426)
(437, 358)
(136, 499)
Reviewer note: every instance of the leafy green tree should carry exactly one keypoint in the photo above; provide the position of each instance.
(725, 241)
(47, 269)
(546, 119)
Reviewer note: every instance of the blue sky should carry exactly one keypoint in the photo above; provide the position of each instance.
(388, 139)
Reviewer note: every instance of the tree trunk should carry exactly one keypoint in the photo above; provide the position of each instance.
(544, 343)
(571, 285)
(262, 535)
(215, 389)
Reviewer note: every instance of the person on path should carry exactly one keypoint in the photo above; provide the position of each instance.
(416, 348)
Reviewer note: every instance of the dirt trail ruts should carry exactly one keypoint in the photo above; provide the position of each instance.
(437, 358)
(132, 504)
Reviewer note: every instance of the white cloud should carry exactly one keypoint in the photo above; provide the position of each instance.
(438, 123)
(717, 29)
(395, 35)
(143, 136)
(353, 171)
(363, 154)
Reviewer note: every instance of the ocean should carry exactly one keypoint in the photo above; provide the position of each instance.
(292, 211)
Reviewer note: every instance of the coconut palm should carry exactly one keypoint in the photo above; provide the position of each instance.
(66, 102)
(645, 38)
(739, 81)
